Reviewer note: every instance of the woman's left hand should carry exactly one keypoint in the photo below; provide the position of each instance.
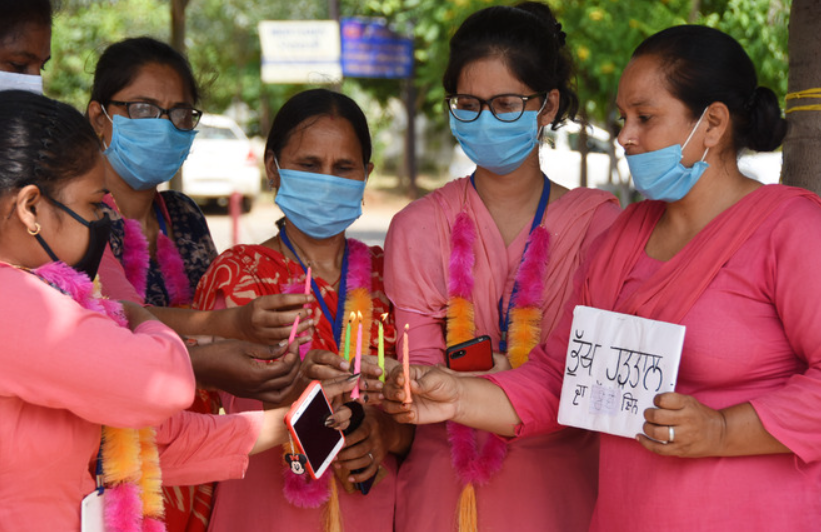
(684, 427)
(365, 448)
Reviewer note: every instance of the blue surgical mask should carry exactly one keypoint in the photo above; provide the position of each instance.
(659, 174)
(146, 152)
(319, 205)
(500, 147)
(21, 82)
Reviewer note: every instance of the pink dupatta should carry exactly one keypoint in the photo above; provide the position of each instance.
(671, 292)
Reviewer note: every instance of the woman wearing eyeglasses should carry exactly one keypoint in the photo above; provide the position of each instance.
(494, 254)
(143, 107)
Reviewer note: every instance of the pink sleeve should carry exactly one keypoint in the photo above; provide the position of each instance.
(415, 281)
(790, 414)
(535, 387)
(113, 282)
(57, 354)
(198, 448)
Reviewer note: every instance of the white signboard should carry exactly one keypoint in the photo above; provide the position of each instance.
(616, 364)
(300, 51)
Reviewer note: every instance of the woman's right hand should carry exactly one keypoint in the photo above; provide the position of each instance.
(435, 393)
(268, 319)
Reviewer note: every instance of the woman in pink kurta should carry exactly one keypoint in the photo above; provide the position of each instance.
(546, 483)
(73, 362)
(318, 158)
(736, 446)
(557, 470)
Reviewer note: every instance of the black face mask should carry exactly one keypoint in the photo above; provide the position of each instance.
(98, 233)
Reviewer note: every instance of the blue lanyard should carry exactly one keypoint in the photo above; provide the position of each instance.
(160, 218)
(335, 321)
(504, 317)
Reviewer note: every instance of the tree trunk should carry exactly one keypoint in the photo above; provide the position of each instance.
(583, 149)
(802, 165)
(178, 43)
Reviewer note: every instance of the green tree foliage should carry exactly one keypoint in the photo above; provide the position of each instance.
(82, 30)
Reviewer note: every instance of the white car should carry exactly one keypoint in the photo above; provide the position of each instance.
(221, 162)
(560, 158)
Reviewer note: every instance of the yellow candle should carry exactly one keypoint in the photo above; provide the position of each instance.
(406, 366)
(381, 352)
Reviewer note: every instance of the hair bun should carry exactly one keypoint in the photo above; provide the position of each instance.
(767, 128)
(561, 37)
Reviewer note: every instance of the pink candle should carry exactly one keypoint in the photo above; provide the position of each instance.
(357, 366)
(406, 366)
(292, 336)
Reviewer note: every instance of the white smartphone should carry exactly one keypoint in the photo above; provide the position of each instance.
(306, 421)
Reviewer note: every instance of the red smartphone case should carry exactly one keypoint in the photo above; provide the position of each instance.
(473, 355)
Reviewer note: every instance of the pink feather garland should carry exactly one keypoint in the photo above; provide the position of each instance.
(123, 508)
(77, 286)
(475, 467)
(173, 272)
(531, 274)
(359, 266)
(135, 256)
(462, 258)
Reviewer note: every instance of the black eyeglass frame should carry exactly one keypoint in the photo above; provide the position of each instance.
(195, 116)
(489, 104)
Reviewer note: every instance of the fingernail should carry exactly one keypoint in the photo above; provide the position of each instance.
(365, 397)
(353, 377)
(329, 421)
(365, 385)
(344, 366)
(350, 479)
(283, 343)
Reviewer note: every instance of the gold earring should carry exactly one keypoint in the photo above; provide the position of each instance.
(36, 229)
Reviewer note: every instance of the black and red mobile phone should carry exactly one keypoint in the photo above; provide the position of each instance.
(473, 355)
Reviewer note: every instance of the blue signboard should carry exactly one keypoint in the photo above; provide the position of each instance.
(371, 50)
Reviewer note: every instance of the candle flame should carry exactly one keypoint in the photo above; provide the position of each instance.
(358, 315)
(407, 326)
(384, 316)
(352, 316)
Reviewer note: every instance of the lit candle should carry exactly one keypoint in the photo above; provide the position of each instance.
(406, 366)
(381, 352)
(348, 337)
(357, 367)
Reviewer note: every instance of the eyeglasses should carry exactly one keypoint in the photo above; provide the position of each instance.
(505, 107)
(183, 118)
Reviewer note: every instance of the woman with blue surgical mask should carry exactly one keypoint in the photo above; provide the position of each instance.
(25, 43)
(731, 260)
(318, 160)
(493, 254)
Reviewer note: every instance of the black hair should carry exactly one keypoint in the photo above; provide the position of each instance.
(121, 62)
(16, 13)
(315, 103)
(43, 142)
(704, 65)
(531, 43)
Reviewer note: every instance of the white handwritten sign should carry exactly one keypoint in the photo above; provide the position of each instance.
(616, 364)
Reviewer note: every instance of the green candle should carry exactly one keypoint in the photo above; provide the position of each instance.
(348, 338)
(381, 358)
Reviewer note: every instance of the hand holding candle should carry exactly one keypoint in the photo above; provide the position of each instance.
(406, 366)
(292, 336)
(357, 367)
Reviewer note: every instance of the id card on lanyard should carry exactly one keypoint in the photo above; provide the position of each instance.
(92, 509)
